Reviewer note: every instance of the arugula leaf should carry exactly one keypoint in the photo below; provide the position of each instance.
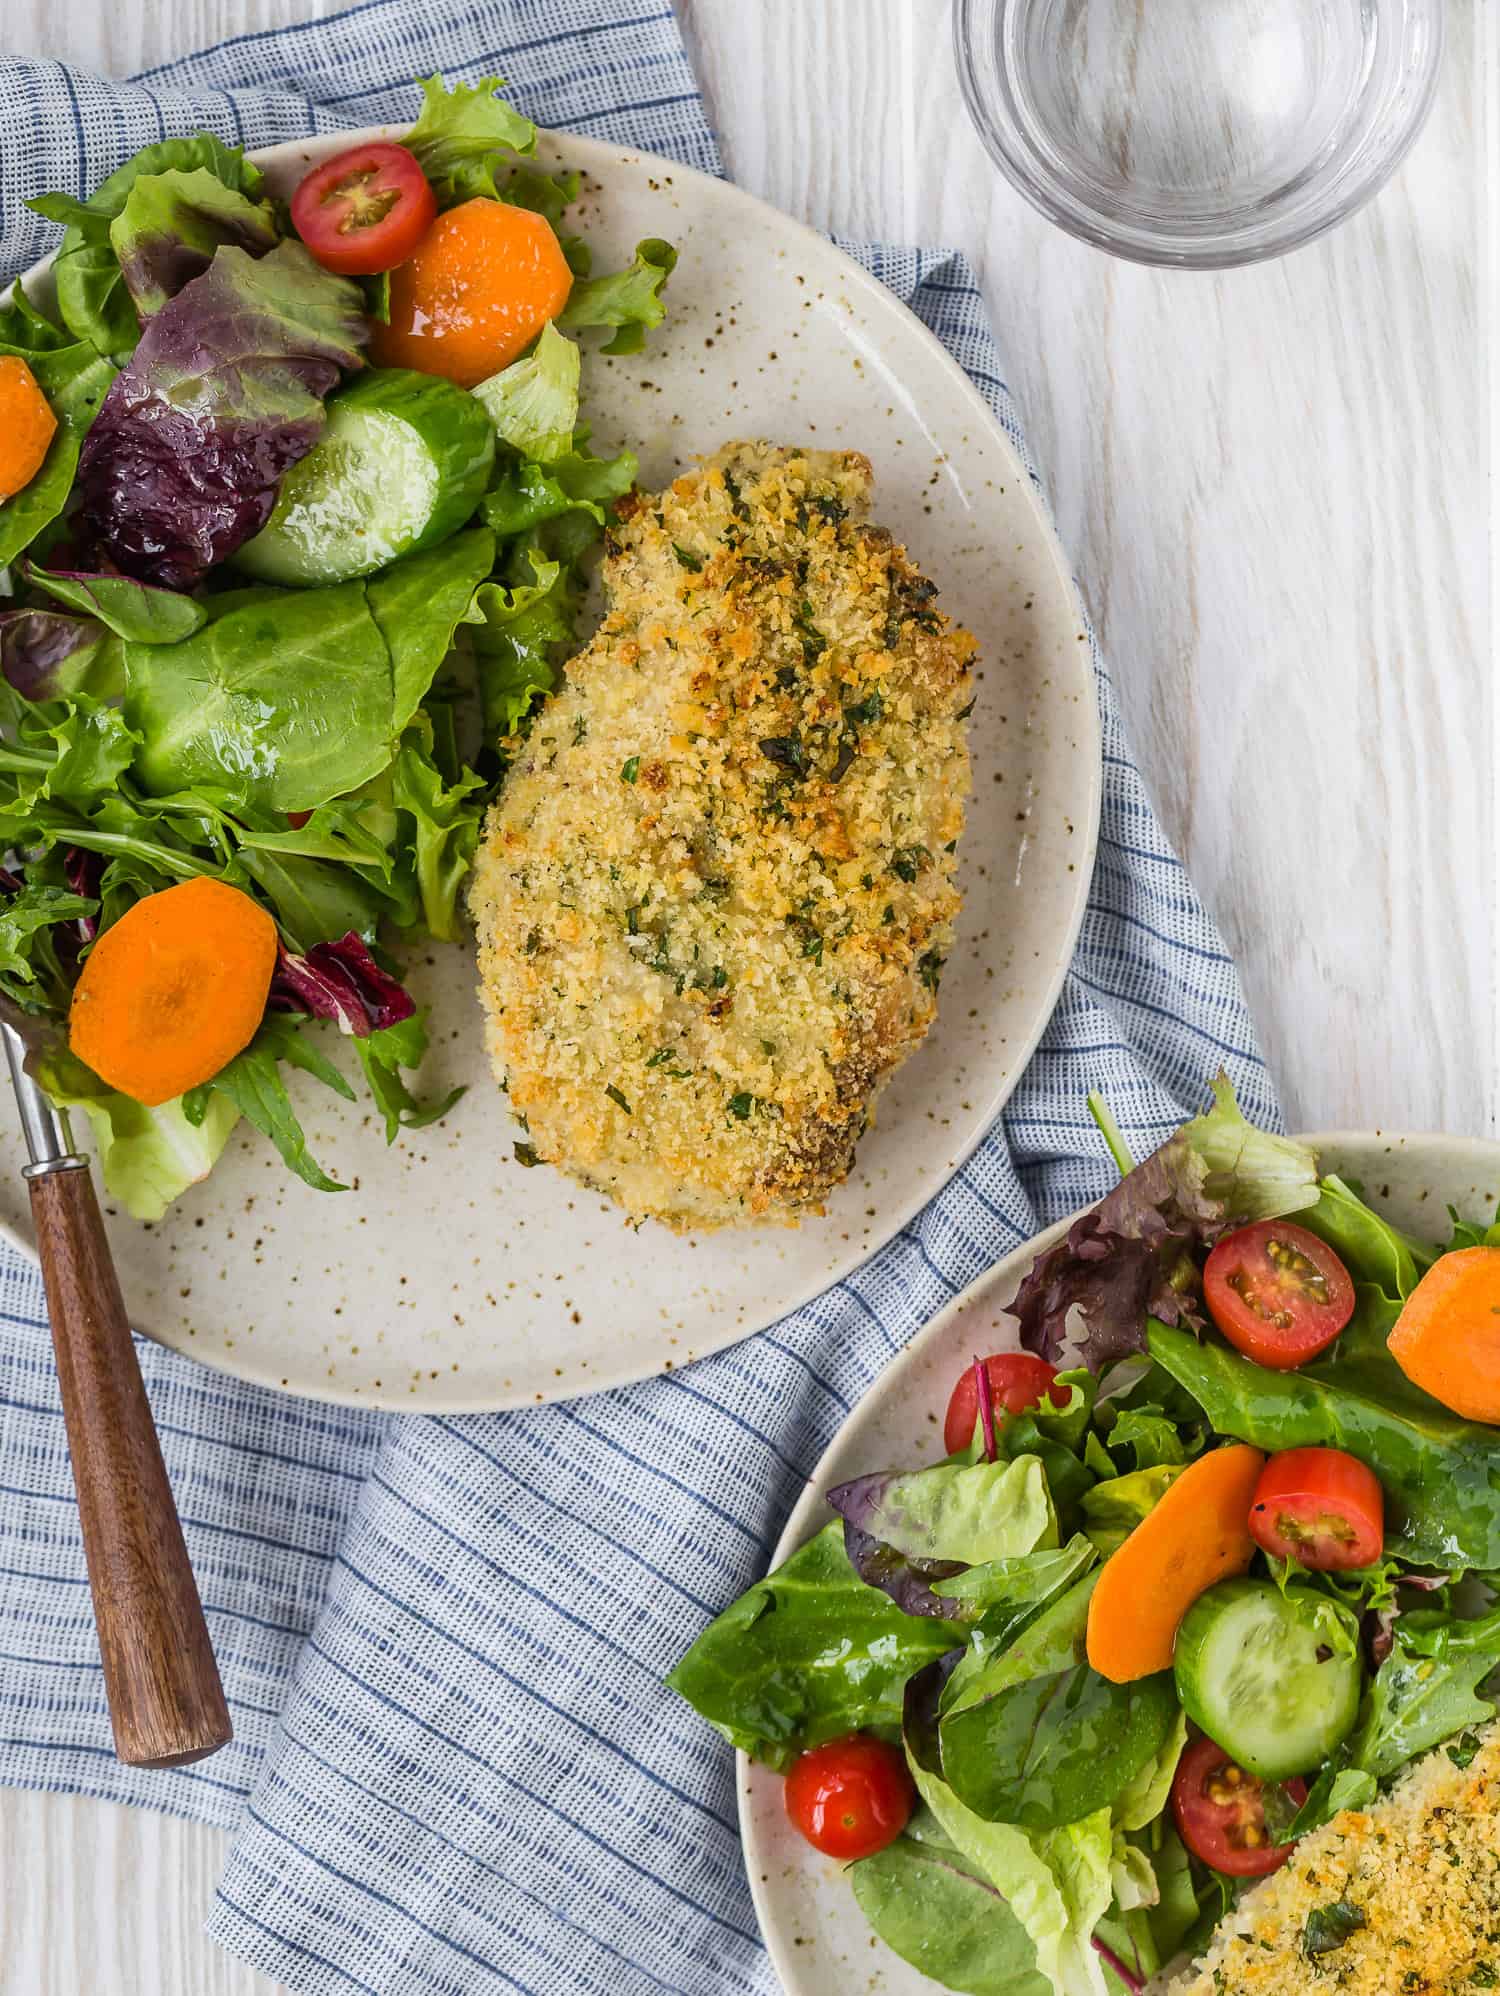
(252, 1083)
(316, 902)
(129, 609)
(1337, 1787)
(629, 299)
(806, 1654)
(463, 132)
(30, 974)
(382, 1055)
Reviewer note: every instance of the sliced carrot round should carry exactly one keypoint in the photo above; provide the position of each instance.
(1447, 1338)
(1197, 1534)
(174, 990)
(27, 425)
(474, 294)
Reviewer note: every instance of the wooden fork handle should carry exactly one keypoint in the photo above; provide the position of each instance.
(165, 1698)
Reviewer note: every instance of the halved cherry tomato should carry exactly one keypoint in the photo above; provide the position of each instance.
(364, 210)
(1278, 1293)
(851, 1797)
(1221, 1812)
(1017, 1383)
(1321, 1507)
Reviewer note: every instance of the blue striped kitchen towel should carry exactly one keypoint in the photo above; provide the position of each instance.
(443, 1640)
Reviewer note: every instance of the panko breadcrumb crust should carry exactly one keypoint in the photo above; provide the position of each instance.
(1419, 1875)
(715, 894)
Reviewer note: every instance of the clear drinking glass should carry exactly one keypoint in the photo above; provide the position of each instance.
(1198, 133)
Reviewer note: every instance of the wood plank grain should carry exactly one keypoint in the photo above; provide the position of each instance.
(1271, 484)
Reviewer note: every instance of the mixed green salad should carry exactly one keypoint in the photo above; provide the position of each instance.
(1208, 1560)
(295, 505)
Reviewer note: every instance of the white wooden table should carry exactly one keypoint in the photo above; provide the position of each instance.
(1272, 485)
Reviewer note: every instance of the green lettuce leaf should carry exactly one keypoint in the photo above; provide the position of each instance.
(522, 627)
(629, 300)
(133, 610)
(147, 1157)
(91, 293)
(972, 1512)
(806, 1654)
(442, 824)
(1057, 1885)
(524, 496)
(75, 380)
(1113, 1509)
(171, 225)
(533, 403)
(463, 133)
(936, 1909)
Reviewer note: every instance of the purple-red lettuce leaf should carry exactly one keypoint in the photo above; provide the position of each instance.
(223, 394)
(171, 225)
(343, 982)
(45, 654)
(1132, 1255)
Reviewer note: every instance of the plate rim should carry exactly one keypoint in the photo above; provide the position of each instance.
(796, 1529)
(595, 156)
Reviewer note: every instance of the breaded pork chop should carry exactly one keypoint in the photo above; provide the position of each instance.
(714, 896)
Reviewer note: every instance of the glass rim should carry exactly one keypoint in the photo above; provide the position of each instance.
(1207, 245)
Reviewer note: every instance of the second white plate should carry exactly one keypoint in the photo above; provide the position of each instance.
(817, 1936)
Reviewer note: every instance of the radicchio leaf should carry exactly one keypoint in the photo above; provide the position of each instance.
(1130, 1256)
(340, 981)
(223, 394)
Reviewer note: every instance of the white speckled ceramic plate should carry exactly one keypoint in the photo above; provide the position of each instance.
(451, 1277)
(818, 1938)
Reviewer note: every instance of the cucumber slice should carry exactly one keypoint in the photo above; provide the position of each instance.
(1274, 1678)
(402, 463)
